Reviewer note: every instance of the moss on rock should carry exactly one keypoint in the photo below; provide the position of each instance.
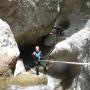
(5, 71)
(28, 79)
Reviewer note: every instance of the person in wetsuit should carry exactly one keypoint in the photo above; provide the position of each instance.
(37, 57)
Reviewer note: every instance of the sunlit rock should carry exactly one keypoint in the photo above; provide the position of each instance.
(8, 47)
(19, 68)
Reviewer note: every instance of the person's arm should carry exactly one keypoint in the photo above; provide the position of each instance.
(33, 56)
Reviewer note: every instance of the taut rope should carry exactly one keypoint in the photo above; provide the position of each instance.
(65, 62)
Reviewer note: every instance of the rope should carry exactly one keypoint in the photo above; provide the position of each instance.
(72, 63)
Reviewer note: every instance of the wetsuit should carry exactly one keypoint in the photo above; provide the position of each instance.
(38, 56)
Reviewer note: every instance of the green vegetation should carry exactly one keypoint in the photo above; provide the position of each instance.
(22, 80)
(27, 79)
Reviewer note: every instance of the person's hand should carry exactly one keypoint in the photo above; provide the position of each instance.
(38, 60)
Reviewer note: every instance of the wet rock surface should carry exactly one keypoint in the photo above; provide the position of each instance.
(28, 79)
(22, 81)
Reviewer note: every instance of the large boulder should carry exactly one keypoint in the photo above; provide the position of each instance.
(74, 49)
(75, 46)
(28, 19)
(31, 19)
(8, 47)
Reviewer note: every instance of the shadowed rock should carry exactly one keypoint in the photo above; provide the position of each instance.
(32, 19)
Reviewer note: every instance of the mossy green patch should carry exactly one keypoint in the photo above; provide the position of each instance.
(28, 79)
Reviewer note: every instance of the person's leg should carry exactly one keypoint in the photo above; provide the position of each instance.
(44, 67)
(37, 69)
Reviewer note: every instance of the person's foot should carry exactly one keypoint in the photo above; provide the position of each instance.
(37, 73)
(45, 71)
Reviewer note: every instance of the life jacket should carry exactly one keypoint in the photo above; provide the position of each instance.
(37, 54)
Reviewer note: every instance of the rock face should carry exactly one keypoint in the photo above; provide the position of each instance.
(83, 82)
(76, 45)
(31, 19)
(75, 48)
(50, 40)
(28, 19)
(8, 47)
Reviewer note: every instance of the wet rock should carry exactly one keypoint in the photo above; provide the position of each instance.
(28, 79)
(5, 71)
(22, 80)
